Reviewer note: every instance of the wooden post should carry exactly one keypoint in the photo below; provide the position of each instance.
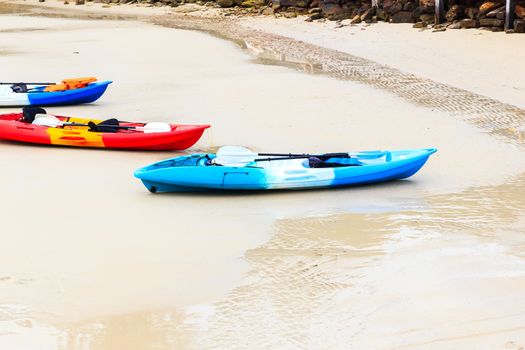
(440, 11)
(509, 14)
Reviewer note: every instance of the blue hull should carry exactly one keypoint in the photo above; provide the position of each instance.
(88, 94)
(192, 173)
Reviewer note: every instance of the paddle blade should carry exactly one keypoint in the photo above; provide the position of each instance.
(234, 156)
(156, 127)
(47, 120)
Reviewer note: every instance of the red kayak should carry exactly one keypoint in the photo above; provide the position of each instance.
(67, 131)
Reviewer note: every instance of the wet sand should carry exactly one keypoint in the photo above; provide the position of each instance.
(91, 260)
(468, 59)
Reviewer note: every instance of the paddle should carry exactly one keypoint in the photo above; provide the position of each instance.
(241, 156)
(53, 122)
(7, 83)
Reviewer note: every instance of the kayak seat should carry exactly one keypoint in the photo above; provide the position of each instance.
(315, 162)
(19, 88)
(104, 126)
(29, 113)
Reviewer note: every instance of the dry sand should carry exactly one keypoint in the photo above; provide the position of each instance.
(91, 260)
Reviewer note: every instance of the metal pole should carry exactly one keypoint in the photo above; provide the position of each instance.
(439, 11)
(509, 14)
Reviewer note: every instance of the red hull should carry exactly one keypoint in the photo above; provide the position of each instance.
(180, 137)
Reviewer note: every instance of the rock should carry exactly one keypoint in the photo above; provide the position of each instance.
(268, 11)
(491, 22)
(248, 3)
(368, 14)
(67, 2)
(294, 3)
(388, 3)
(468, 23)
(427, 3)
(356, 20)
(382, 15)
(403, 17)
(79, 2)
(487, 7)
(455, 12)
(454, 25)
(519, 10)
(519, 26)
(495, 12)
(439, 29)
(397, 7)
(315, 16)
(290, 15)
(471, 12)
(409, 6)
(346, 22)
(314, 10)
(496, 29)
(331, 9)
(426, 17)
(187, 8)
(225, 3)
(41, 0)
(420, 25)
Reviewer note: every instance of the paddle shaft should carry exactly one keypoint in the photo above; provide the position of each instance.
(302, 156)
(4, 83)
(281, 156)
(111, 126)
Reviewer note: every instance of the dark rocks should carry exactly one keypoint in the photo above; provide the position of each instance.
(368, 14)
(294, 3)
(455, 12)
(356, 20)
(79, 2)
(409, 6)
(268, 11)
(519, 26)
(225, 3)
(487, 7)
(454, 25)
(420, 25)
(519, 10)
(471, 12)
(497, 13)
(426, 17)
(403, 17)
(427, 3)
(315, 16)
(395, 8)
(468, 23)
(382, 15)
(491, 22)
(331, 9)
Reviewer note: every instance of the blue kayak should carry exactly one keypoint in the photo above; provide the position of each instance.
(200, 172)
(38, 97)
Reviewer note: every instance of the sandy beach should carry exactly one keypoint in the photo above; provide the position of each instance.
(90, 260)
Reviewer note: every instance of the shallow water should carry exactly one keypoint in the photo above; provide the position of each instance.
(91, 260)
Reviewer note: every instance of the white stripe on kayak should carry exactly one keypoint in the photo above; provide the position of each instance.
(10, 98)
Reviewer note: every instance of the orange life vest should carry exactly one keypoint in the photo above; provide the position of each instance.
(69, 84)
